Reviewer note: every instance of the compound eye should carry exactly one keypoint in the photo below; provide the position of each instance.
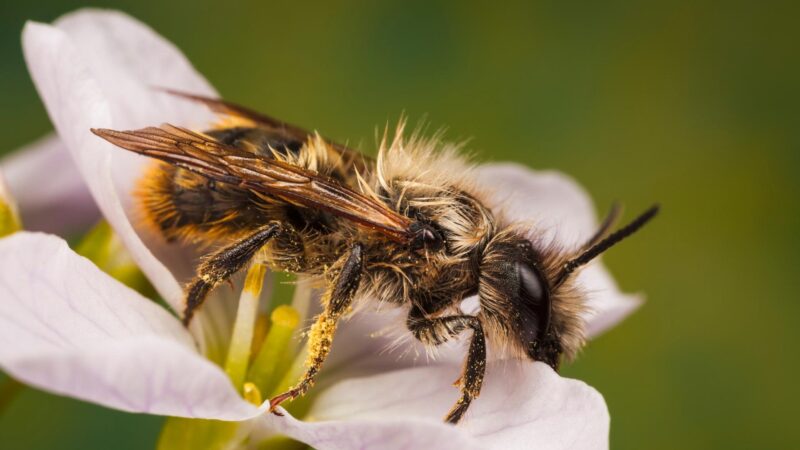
(530, 281)
(533, 288)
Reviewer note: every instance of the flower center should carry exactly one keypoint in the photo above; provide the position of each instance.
(264, 357)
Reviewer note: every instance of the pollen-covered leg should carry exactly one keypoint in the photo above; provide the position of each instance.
(224, 263)
(320, 337)
(438, 330)
(471, 375)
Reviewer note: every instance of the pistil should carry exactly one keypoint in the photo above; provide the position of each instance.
(264, 371)
(242, 337)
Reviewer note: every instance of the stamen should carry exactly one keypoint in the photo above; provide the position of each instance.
(259, 333)
(252, 394)
(295, 372)
(264, 370)
(9, 216)
(242, 337)
(301, 299)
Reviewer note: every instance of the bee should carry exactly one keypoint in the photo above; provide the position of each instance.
(407, 228)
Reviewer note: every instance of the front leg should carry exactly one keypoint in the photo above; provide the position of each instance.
(438, 330)
(320, 337)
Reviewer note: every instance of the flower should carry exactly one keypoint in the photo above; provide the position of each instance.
(52, 195)
(67, 327)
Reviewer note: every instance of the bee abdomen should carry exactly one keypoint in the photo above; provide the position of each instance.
(185, 206)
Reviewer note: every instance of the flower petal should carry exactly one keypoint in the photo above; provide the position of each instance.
(130, 62)
(68, 328)
(370, 342)
(100, 69)
(388, 434)
(550, 200)
(542, 411)
(562, 211)
(50, 192)
(608, 305)
(75, 103)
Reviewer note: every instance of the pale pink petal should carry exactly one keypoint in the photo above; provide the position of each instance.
(75, 102)
(130, 64)
(521, 406)
(552, 202)
(360, 433)
(370, 342)
(68, 328)
(101, 69)
(609, 306)
(561, 211)
(49, 191)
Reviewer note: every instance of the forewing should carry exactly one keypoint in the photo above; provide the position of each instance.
(203, 155)
(282, 130)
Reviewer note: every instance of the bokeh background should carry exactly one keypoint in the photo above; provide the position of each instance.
(692, 104)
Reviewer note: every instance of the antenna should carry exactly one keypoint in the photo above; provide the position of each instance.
(613, 239)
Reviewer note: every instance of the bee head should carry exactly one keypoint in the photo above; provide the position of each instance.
(517, 296)
(528, 292)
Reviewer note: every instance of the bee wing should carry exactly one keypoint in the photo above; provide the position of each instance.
(282, 130)
(204, 155)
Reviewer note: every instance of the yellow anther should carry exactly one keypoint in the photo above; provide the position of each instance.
(252, 394)
(285, 316)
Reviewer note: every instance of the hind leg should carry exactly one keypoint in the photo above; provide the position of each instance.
(320, 337)
(224, 263)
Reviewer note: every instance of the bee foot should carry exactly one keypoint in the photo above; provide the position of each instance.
(277, 400)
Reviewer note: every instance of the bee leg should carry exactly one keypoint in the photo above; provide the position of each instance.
(320, 337)
(438, 330)
(224, 263)
(472, 374)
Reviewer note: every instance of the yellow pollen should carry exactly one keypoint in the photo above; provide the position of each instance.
(252, 394)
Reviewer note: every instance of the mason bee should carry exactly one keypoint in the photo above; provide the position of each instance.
(407, 228)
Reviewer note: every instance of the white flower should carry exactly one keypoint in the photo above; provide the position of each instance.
(45, 182)
(67, 327)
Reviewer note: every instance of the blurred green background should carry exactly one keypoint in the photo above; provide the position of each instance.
(694, 105)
